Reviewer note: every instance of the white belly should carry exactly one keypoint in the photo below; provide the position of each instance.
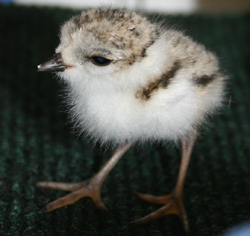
(120, 116)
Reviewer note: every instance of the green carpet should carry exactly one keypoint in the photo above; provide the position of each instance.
(36, 145)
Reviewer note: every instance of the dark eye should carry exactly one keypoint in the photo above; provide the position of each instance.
(100, 61)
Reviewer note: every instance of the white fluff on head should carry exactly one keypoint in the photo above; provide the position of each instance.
(136, 97)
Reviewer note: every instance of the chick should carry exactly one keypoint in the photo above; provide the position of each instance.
(132, 81)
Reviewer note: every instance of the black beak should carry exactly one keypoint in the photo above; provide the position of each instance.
(54, 63)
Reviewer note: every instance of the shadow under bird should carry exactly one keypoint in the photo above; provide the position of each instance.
(132, 81)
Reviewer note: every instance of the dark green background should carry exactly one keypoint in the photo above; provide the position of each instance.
(36, 145)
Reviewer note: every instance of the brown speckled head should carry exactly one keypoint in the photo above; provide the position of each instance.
(123, 34)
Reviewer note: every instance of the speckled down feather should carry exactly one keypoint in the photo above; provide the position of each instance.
(160, 84)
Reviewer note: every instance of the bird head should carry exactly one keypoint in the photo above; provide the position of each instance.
(101, 43)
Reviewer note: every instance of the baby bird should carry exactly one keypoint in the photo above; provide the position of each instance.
(132, 81)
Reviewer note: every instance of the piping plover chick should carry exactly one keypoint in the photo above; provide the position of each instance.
(133, 81)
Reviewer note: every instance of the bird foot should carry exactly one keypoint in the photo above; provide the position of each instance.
(89, 188)
(173, 204)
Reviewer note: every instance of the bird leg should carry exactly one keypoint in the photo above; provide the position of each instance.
(88, 188)
(173, 203)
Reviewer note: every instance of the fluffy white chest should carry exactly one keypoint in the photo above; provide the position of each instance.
(116, 115)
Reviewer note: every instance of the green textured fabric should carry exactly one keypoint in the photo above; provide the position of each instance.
(36, 145)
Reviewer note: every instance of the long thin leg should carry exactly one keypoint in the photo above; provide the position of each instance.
(89, 188)
(174, 201)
